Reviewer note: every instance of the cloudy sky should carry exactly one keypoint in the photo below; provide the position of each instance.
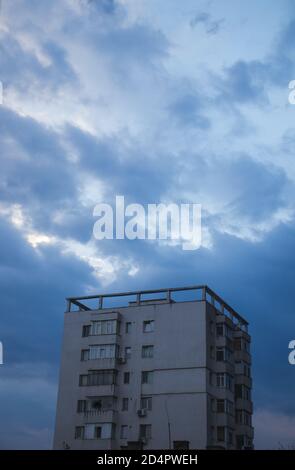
(159, 101)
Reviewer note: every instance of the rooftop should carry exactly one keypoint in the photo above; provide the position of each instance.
(147, 297)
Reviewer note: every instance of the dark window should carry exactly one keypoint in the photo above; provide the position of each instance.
(146, 377)
(239, 391)
(223, 354)
(128, 327)
(146, 403)
(240, 442)
(124, 432)
(83, 380)
(219, 330)
(229, 437)
(126, 377)
(101, 377)
(98, 377)
(220, 406)
(148, 326)
(81, 406)
(125, 402)
(79, 432)
(145, 431)
(219, 354)
(181, 445)
(147, 351)
(97, 432)
(237, 344)
(220, 433)
(85, 355)
(86, 330)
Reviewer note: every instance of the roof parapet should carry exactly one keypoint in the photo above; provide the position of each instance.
(204, 293)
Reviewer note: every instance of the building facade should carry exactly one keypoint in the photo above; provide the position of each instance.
(163, 369)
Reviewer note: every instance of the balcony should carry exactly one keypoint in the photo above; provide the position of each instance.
(99, 416)
(102, 363)
(241, 379)
(103, 390)
(242, 356)
(242, 404)
(245, 430)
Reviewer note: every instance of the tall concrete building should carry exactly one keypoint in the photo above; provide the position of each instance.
(169, 368)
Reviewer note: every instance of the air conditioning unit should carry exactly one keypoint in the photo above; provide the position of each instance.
(122, 360)
(142, 412)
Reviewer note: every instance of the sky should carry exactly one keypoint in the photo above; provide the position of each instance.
(159, 101)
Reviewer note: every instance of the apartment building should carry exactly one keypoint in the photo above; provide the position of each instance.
(162, 369)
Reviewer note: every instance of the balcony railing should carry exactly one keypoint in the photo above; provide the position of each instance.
(202, 293)
(99, 416)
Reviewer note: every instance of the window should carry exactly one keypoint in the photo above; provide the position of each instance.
(238, 391)
(104, 327)
(241, 391)
(239, 417)
(225, 406)
(212, 433)
(79, 432)
(220, 379)
(97, 405)
(124, 432)
(224, 380)
(98, 377)
(212, 356)
(247, 419)
(84, 354)
(146, 377)
(148, 326)
(103, 351)
(243, 417)
(81, 406)
(247, 370)
(229, 407)
(219, 354)
(86, 330)
(220, 406)
(145, 431)
(127, 352)
(212, 403)
(211, 377)
(97, 432)
(229, 437)
(247, 393)
(181, 445)
(237, 344)
(247, 346)
(211, 327)
(223, 330)
(125, 403)
(147, 351)
(83, 380)
(240, 442)
(128, 327)
(219, 329)
(146, 403)
(221, 433)
(223, 354)
(101, 403)
(126, 377)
